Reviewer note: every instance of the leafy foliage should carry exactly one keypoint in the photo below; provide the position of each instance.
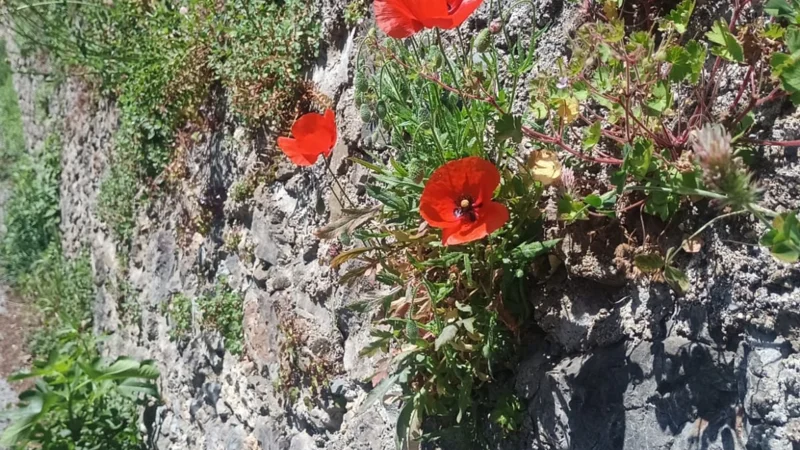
(160, 60)
(32, 213)
(180, 314)
(63, 292)
(81, 401)
(783, 240)
(265, 45)
(12, 141)
(223, 311)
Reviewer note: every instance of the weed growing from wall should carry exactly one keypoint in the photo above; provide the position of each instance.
(220, 310)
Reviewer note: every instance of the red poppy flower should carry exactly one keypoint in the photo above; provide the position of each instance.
(314, 135)
(458, 199)
(402, 18)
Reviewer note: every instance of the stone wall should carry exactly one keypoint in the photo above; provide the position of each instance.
(615, 364)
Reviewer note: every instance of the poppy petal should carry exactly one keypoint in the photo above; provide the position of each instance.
(431, 13)
(492, 217)
(462, 10)
(395, 19)
(315, 133)
(330, 125)
(478, 178)
(296, 152)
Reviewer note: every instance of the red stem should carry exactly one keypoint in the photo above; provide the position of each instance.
(735, 104)
(776, 143)
(635, 205)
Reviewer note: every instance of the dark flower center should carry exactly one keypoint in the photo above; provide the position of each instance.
(466, 209)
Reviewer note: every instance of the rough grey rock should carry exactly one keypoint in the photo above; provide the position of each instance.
(667, 394)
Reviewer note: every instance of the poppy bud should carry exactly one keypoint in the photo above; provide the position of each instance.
(380, 110)
(361, 83)
(417, 173)
(397, 140)
(496, 26)
(482, 41)
(438, 60)
(424, 114)
(366, 113)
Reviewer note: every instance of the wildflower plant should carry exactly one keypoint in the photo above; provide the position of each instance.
(457, 231)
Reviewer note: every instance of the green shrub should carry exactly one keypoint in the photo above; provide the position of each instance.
(223, 311)
(179, 313)
(32, 212)
(81, 401)
(461, 263)
(63, 293)
(265, 47)
(12, 140)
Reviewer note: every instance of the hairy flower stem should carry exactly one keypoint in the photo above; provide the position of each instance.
(341, 188)
(455, 78)
(492, 101)
(447, 60)
(672, 255)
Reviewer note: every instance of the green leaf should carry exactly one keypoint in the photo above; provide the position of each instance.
(778, 61)
(782, 9)
(509, 127)
(679, 17)
(789, 74)
(448, 333)
(403, 423)
(649, 263)
(744, 126)
(368, 165)
(531, 250)
(786, 252)
(774, 31)
(638, 158)
(539, 110)
(793, 40)
(783, 240)
(687, 62)
(727, 46)
(660, 99)
(380, 390)
(592, 136)
(133, 388)
(593, 200)
(676, 279)
(25, 418)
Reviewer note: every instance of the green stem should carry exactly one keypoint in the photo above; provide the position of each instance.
(457, 84)
(700, 230)
(336, 180)
(684, 191)
(439, 40)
